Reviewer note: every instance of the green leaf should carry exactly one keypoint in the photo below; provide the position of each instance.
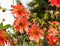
(35, 43)
(6, 26)
(25, 44)
(46, 16)
(51, 12)
(41, 22)
(52, 17)
(1, 24)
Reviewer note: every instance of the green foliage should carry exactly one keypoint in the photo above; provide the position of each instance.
(40, 6)
(25, 44)
(1, 25)
(40, 9)
(41, 22)
(6, 26)
(59, 17)
(46, 16)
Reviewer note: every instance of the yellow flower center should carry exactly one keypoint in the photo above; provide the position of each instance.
(4, 36)
(36, 32)
(20, 9)
(54, 40)
(0, 44)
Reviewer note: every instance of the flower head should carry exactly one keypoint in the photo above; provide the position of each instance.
(1, 42)
(3, 38)
(19, 10)
(3, 34)
(55, 2)
(52, 40)
(21, 25)
(35, 33)
(52, 31)
(55, 23)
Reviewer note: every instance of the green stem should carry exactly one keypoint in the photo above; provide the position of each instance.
(22, 39)
(47, 7)
(28, 41)
(39, 43)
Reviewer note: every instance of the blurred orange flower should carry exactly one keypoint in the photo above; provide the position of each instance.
(1, 42)
(52, 31)
(21, 25)
(3, 38)
(54, 23)
(34, 33)
(55, 2)
(52, 40)
(19, 10)
(3, 34)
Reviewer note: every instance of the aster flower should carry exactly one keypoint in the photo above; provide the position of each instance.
(27, 16)
(19, 10)
(35, 33)
(1, 42)
(3, 38)
(2, 33)
(54, 23)
(52, 31)
(55, 2)
(52, 40)
(21, 25)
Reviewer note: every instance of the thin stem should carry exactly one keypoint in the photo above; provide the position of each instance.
(28, 41)
(56, 14)
(32, 43)
(39, 43)
(47, 7)
(22, 38)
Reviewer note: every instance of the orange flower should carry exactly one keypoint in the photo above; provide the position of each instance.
(21, 25)
(52, 40)
(19, 10)
(34, 33)
(55, 2)
(3, 34)
(52, 31)
(27, 16)
(1, 42)
(54, 23)
(3, 38)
